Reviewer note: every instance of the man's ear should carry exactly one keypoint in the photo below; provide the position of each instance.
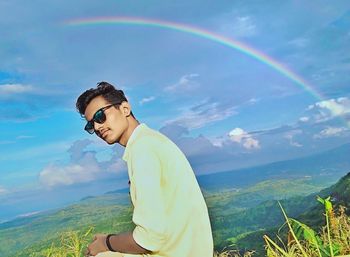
(125, 108)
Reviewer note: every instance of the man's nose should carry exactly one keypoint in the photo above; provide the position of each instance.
(97, 126)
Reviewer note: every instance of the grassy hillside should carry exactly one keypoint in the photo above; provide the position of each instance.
(305, 209)
(112, 213)
(340, 195)
(242, 205)
(106, 213)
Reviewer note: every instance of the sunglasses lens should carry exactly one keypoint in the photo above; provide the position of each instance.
(89, 127)
(99, 117)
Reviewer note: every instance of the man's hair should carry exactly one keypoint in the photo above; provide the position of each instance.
(104, 89)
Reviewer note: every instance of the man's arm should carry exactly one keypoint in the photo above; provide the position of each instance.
(123, 242)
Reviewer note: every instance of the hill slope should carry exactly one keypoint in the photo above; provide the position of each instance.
(305, 209)
(325, 167)
(237, 207)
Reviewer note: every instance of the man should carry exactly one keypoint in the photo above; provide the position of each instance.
(170, 215)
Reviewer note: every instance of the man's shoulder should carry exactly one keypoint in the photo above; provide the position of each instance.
(150, 139)
(150, 136)
(146, 140)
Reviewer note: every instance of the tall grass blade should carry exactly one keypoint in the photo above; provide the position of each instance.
(291, 230)
(328, 209)
(270, 252)
(303, 231)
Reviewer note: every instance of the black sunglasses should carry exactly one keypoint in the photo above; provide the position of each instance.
(98, 117)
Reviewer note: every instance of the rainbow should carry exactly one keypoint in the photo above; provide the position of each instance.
(232, 43)
(199, 32)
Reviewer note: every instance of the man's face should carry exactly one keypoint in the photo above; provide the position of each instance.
(116, 123)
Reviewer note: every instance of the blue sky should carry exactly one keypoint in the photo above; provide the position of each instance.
(225, 109)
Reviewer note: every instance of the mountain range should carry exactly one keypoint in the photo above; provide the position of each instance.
(242, 205)
(325, 167)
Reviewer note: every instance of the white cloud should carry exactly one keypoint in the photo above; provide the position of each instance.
(82, 168)
(240, 136)
(8, 89)
(296, 144)
(290, 137)
(299, 42)
(328, 109)
(330, 132)
(251, 143)
(202, 114)
(116, 166)
(218, 141)
(242, 26)
(253, 100)
(185, 83)
(304, 119)
(55, 175)
(147, 100)
(237, 135)
(338, 106)
(3, 190)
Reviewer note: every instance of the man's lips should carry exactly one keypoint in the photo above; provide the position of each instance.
(103, 133)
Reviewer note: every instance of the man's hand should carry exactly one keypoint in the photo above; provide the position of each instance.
(97, 246)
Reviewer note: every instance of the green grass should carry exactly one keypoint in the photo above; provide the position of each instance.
(234, 215)
(302, 241)
(298, 240)
(101, 213)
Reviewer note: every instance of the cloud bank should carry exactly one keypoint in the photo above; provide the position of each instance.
(83, 167)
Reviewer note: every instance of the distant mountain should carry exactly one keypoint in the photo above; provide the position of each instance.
(109, 213)
(340, 195)
(340, 192)
(242, 204)
(266, 218)
(326, 167)
(123, 190)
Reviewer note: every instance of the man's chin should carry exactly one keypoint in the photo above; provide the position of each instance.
(109, 141)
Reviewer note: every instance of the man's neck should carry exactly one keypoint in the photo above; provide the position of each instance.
(133, 123)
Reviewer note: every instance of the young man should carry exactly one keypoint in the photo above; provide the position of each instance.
(170, 215)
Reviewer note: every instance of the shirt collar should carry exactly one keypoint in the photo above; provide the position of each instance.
(132, 138)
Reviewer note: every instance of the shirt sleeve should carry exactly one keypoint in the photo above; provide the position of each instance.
(149, 210)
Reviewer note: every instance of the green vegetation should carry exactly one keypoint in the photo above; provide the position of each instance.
(72, 244)
(240, 218)
(298, 241)
(42, 230)
(333, 240)
(236, 214)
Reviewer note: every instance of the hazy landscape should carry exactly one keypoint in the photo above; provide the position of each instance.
(255, 94)
(242, 205)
